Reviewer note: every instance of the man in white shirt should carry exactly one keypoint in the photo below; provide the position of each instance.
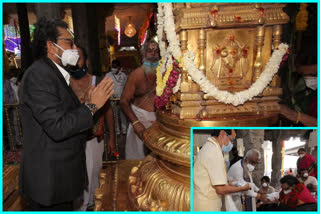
(209, 172)
(119, 79)
(240, 174)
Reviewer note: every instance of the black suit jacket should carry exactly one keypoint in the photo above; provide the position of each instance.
(55, 127)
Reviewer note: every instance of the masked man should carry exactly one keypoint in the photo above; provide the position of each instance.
(240, 174)
(137, 100)
(209, 172)
(55, 123)
(119, 79)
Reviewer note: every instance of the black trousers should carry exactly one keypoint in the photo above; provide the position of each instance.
(66, 206)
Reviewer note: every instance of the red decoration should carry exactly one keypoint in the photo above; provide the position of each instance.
(234, 52)
(161, 101)
(238, 18)
(218, 50)
(230, 82)
(245, 52)
(262, 11)
(144, 28)
(116, 154)
(285, 58)
(214, 12)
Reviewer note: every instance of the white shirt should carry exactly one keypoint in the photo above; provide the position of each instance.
(64, 73)
(208, 171)
(235, 174)
(119, 81)
(311, 180)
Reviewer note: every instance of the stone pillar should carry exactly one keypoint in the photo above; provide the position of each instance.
(103, 11)
(312, 144)
(274, 137)
(88, 24)
(253, 139)
(49, 10)
(26, 52)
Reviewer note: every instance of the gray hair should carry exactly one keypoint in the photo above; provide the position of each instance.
(251, 153)
(144, 46)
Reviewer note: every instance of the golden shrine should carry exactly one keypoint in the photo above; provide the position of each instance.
(232, 43)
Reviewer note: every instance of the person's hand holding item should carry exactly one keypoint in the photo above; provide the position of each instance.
(245, 187)
(251, 193)
(273, 196)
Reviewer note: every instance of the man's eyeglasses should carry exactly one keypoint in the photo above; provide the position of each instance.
(69, 40)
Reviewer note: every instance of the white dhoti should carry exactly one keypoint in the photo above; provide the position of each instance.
(94, 151)
(134, 145)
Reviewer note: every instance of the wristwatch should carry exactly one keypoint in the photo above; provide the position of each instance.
(92, 107)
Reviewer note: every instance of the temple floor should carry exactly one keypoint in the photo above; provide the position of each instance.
(113, 191)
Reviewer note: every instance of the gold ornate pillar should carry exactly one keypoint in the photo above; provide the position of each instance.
(184, 87)
(276, 35)
(258, 61)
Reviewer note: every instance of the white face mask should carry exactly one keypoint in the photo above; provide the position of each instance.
(250, 167)
(69, 57)
(264, 184)
(311, 82)
(287, 191)
(301, 156)
(305, 175)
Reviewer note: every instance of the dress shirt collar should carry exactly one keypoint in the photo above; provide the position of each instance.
(64, 73)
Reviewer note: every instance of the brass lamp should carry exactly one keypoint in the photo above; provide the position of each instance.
(130, 29)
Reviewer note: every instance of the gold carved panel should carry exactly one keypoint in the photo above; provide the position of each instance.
(230, 56)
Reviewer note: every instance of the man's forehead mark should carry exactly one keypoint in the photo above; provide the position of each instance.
(152, 46)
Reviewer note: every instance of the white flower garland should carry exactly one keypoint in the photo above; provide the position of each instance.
(166, 23)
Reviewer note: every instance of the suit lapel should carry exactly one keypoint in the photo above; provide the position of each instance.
(62, 79)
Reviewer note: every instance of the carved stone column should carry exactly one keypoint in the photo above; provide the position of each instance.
(274, 137)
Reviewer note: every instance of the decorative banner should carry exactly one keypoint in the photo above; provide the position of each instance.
(143, 30)
(12, 38)
(117, 27)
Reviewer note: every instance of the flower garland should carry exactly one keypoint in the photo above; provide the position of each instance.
(163, 99)
(165, 65)
(165, 16)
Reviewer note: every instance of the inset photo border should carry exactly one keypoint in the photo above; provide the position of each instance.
(253, 169)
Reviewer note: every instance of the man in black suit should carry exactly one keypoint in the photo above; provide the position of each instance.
(55, 123)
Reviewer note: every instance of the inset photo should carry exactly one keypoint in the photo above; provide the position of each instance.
(254, 169)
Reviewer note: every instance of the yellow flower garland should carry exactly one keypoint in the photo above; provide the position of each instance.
(161, 82)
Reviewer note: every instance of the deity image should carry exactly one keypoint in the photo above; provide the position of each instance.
(230, 59)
